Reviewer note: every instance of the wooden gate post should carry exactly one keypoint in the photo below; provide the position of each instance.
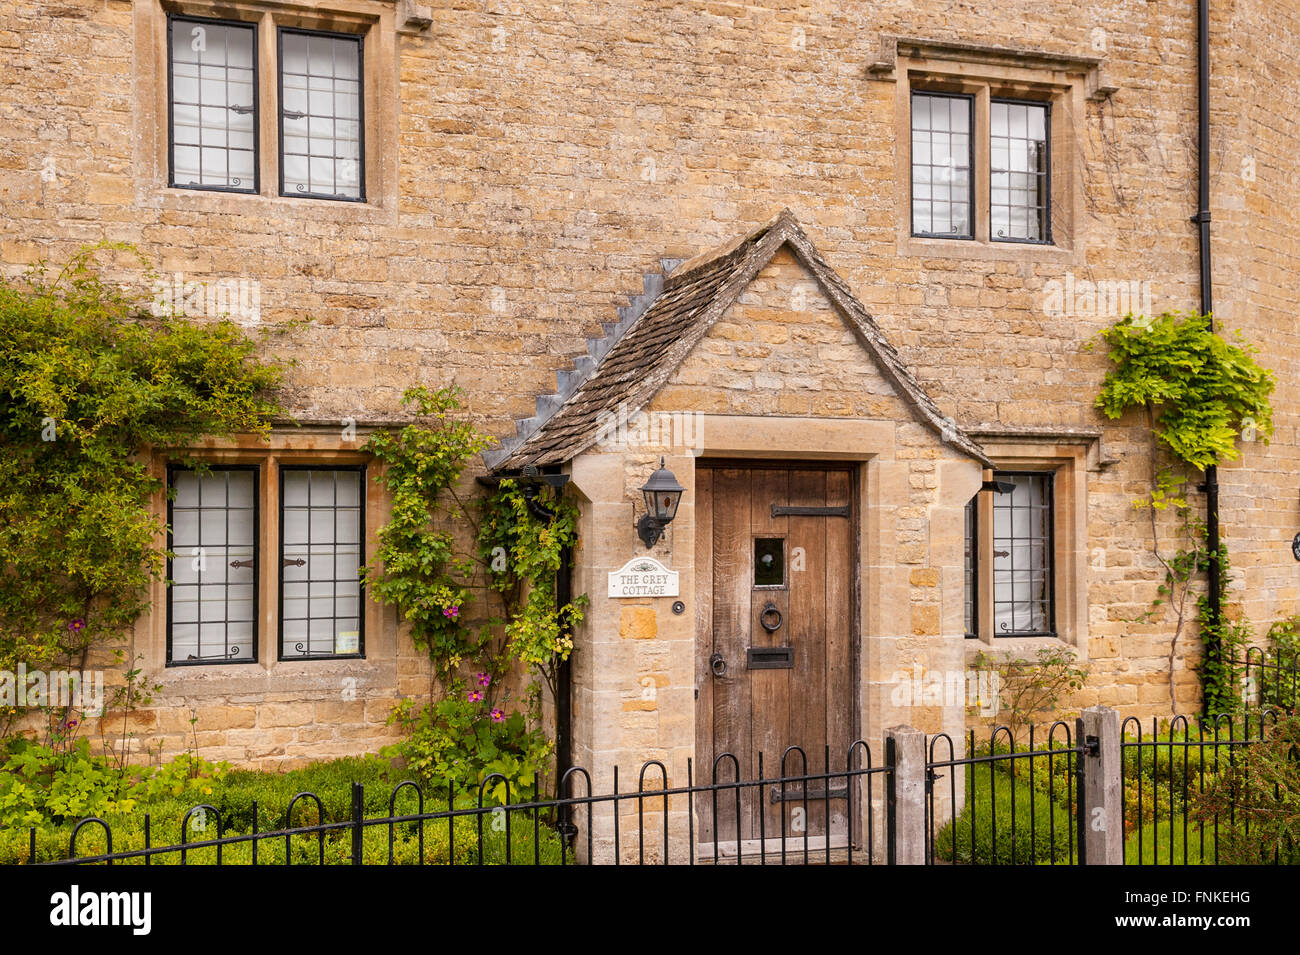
(1101, 823)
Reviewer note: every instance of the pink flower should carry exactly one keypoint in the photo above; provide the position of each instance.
(476, 696)
(484, 679)
(498, 714)
(451, 613)
(78, 625)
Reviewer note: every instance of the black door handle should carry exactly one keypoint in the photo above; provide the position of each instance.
(718, 665)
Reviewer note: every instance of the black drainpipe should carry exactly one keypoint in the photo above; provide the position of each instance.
(563, 594)
(530, 478)
(563, 676)
(563, 679)
(1213, 649)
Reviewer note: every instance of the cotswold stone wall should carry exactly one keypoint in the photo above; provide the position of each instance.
(782, 371)
(533, 161)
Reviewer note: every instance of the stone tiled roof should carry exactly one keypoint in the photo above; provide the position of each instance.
(639, 354)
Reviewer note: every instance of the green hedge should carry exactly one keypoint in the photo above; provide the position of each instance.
(234, 792)
(1032, 839)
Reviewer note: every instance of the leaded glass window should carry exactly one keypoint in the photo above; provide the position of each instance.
(321, 553)
(320, 116)
(212, 598)
(212, 104)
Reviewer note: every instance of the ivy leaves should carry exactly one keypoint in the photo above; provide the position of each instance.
(1208, 390)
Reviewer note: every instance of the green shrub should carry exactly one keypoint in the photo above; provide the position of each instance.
(454, 741)
(1276, 679)
(1155, 776)
(41, 785)
(1255, 801)
(166, 794)
(304, 849)
(1042, 830)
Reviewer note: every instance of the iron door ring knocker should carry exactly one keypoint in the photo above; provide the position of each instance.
(769, 609)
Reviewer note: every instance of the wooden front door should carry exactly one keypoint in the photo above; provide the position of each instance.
(775, 646)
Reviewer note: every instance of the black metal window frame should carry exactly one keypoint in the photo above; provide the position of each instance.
(359, 39)
(970, 167)
(1046, 105)
(972, 569)
(1050, 551)
(172, 470)
(172, 19)
(361, 592)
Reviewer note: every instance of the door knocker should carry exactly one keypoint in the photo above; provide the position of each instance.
(770, 618)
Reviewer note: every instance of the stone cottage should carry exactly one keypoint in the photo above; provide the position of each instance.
(836, 267)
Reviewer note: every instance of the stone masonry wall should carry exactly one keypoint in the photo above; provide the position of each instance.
(547, 156)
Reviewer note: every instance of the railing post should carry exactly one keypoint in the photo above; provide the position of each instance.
(1101, 823)
(905, 812)
(358, 826)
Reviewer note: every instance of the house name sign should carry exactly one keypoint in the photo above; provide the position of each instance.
(643, 577)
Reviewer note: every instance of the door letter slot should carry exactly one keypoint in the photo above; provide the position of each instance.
(769, 658)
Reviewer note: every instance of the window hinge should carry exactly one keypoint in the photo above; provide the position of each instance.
(292, 114)
(241, 110)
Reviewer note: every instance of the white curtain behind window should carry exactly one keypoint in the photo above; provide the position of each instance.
(213, 529)
(321, 541)
(320, 79)
(213, 105)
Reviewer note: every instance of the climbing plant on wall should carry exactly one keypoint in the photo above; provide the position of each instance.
(525, 536)
(89, 382)
(472, 728)
(417, 567)
(1201, 393)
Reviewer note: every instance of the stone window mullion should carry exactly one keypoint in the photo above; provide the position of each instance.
(984, 573)
(268, 66)
(980, 174)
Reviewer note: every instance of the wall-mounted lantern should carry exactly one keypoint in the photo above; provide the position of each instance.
(662, 495)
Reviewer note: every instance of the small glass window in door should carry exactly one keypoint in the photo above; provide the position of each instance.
(769, 562)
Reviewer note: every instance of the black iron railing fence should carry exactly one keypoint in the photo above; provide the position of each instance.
(1164, 774)
(1268, 679)
(654, 823)
(1005, 800)
(1006, 804)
